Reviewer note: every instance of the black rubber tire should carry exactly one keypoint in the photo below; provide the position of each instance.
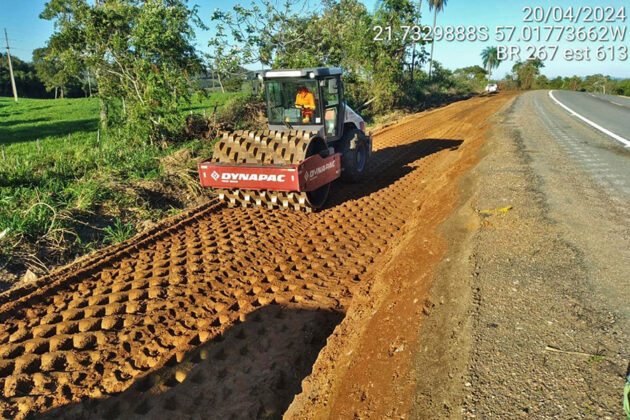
(355, 155)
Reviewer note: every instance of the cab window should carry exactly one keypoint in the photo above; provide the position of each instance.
(293, 101)
(330, 93)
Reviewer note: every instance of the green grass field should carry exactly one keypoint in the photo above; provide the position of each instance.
(62, 192)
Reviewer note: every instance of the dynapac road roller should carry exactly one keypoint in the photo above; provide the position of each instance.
(314, 137)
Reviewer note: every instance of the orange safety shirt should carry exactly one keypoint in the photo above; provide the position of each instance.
(305, 99)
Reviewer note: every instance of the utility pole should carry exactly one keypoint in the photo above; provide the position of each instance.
(89, 76)
(413, 53)
(6, 37)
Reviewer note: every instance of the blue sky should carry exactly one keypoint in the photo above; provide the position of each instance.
(27, 31)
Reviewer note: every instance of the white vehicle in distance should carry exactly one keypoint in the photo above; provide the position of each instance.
(492, 88)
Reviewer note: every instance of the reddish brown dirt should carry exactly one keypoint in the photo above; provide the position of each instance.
(365, 370)
(221, 313)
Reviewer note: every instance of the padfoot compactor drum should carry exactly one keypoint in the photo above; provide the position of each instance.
(313, 139)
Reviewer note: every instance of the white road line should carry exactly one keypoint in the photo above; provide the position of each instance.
(617, 103)
(591, 123)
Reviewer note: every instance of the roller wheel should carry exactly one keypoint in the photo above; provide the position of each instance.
(271, 148)
(317, 198)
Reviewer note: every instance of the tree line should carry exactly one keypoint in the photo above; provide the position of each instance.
(528, 75)
(32, 79)
(340, 33)
(140, 59)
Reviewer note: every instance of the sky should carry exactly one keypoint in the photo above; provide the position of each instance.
(27, 32)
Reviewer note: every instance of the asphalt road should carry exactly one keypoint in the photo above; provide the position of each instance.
(586, 178)
(577, 151)
(551, 330)
(605, 159)
(608, 111)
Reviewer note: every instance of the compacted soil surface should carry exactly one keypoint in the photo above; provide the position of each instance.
(256, 313)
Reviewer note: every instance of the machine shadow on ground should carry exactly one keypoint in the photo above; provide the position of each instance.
(253, 370)
(387, 166)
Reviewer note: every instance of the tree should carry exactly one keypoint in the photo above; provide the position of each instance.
(473, 77)
(598, 83)
(260, 33)
(442, 76)
(342, 36)
(542, 82)
(224, 59)
(141, 53)
(27, 83)
(87, 82)
(413, 51)
(50, 70)
(339, 35)
(556, 83)
(490, 57)
(386, 61)
(471, 73)
(437, 6)
(526, 73)
(573, 83)
(623, 87)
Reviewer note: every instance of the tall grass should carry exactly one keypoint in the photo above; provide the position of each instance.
(64, 190)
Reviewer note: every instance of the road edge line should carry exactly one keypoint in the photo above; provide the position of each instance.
(591, 123)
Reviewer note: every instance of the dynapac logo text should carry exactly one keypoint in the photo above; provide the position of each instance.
(232, 177)
(313, 173)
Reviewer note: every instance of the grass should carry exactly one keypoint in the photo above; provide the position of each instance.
(64, 191)
(199, 104)
(593, 360)
(119, 232)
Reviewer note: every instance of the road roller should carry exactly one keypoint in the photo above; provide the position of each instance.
(313, 138)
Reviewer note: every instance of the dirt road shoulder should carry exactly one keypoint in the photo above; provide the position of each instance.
(521, 331)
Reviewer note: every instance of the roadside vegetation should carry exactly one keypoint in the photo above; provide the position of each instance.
(528, 76)
(67, 187)
(138, 104)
